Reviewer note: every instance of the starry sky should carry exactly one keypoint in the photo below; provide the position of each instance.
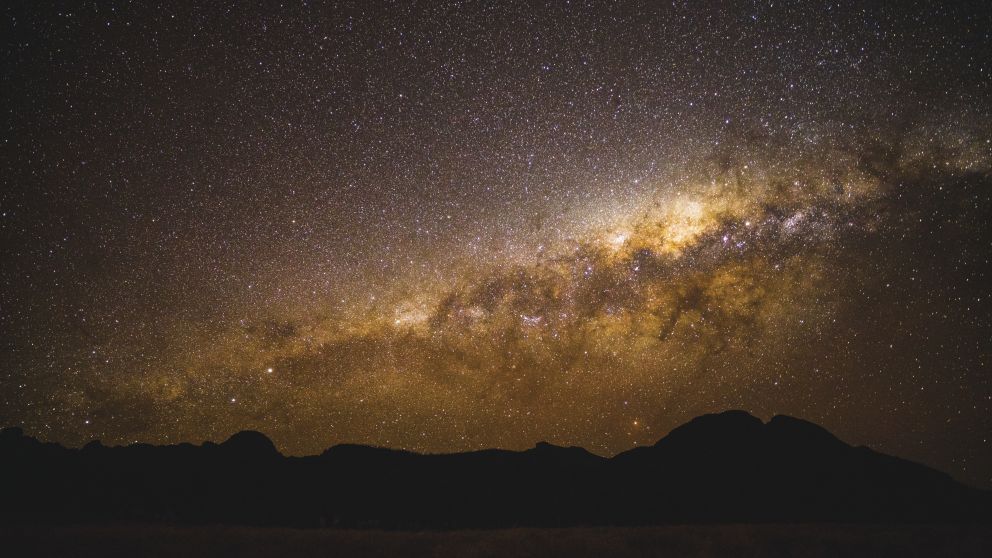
(445, 226)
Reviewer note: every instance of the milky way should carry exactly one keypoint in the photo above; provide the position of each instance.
(448, 226)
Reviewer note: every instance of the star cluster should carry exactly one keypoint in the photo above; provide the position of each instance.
(452, 225)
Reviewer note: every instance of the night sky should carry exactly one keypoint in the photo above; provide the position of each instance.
(445, 226)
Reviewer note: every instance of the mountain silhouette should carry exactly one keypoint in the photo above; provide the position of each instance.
(727, 467)
(251, 445)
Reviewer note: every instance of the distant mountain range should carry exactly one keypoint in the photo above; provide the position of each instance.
(727, 467)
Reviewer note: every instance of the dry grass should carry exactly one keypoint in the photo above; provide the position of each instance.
(701, 541)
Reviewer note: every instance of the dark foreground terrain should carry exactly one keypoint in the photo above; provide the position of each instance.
(724, 468)
(808, 540)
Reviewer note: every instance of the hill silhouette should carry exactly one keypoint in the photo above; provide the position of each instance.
(727, 467)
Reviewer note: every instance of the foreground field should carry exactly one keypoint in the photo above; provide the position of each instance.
(720, 540)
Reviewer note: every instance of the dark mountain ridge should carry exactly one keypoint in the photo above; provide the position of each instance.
(727, 467)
